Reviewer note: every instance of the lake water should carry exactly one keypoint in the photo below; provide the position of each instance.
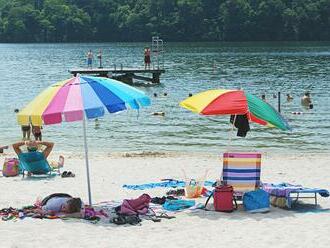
(26, 69)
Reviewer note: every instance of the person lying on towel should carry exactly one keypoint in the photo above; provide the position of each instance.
(32, 146)
(62, 205)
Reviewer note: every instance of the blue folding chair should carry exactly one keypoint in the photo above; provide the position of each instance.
(34, 163)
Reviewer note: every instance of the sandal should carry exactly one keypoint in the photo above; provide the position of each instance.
(70, 174)
(126, 219)
(165, 216)
(120, 220)
(176, 192)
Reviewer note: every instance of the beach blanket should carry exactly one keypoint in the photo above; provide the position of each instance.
(283, 190)
(165, 184)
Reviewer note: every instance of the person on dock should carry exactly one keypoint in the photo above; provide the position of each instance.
(90, 59)
(263, 97)
(99, 56)
(147, 60)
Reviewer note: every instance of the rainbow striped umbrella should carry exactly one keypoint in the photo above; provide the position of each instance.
(235, 102)
(80, 98)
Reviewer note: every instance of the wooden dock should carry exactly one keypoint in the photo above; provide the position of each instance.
(123, 74)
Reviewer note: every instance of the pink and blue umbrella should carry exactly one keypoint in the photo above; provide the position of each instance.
(80, 98)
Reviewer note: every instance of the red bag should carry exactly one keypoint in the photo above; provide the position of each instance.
(223, 198)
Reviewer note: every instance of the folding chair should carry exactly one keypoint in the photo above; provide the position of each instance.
(241, 170)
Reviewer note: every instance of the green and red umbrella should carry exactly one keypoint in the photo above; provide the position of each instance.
(235, 102)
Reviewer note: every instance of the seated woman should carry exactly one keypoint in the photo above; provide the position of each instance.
(62, 205)
(33, 161)
(32, 146)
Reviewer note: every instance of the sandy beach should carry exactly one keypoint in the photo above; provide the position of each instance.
(278, 228)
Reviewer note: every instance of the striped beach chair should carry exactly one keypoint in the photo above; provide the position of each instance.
(241, 170)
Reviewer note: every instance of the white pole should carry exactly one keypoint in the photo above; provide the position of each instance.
(230, 136)
(87, 164)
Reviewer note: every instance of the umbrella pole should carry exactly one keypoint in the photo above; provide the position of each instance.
(87, 163)
(230, 136)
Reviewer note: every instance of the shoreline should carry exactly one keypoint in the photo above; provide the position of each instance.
(170, 154)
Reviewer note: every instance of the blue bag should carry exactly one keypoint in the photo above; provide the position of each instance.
(256, 201)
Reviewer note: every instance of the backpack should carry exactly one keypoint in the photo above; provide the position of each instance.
(10, 167)
(223, 199)
(256, 201)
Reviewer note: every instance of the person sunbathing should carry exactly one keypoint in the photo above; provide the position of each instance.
(62, 205)
(32, 146)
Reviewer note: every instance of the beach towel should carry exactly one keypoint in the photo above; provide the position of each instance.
(177, 205)
(166, 184)
(283, 190)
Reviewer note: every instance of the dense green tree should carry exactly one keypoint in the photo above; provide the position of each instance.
(173, 20)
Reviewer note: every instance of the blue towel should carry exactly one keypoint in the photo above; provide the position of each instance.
(165, 184)
(177, 205)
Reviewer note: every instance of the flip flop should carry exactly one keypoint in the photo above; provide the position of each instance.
(70, 174)
(165, 216)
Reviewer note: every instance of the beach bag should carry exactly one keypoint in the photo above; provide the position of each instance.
(256, 201)
(10, 167)
(194, 188)
(223, 199)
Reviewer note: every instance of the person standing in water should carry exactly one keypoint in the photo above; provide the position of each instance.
(90, 59)
(306, 99)
(36, 130)
(26, 130)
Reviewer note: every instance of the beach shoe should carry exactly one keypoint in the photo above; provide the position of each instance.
(64, 173)
(126, 219)
(70, 174)
(165, 216)
(158, 200)
(176, 192)
(119, 220)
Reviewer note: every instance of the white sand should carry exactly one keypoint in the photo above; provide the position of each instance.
(279, 228)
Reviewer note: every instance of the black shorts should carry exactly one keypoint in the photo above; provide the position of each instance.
(26, 128)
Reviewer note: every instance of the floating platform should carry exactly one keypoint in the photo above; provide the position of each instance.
(123, 74)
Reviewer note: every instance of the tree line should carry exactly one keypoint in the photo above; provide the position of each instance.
(173, 20)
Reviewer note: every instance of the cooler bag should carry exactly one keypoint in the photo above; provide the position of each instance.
(223, 199)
